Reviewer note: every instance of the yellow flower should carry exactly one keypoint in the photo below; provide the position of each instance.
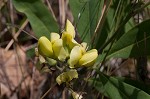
(68, 35)
(59, 50)
(67, 76)
(89, 58)
(75, 55)
(68, 40)
(57, 45)
(45, 47)
(70, 28)
(79, 57)
(69, 32)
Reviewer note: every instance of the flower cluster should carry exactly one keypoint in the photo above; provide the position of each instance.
(66, 49)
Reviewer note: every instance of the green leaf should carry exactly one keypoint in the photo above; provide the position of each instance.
(135, 83)
(86, 14)
(117, 14)
(117, 89)
(133, 43)
(38, 15)
(30, 53)
(77, 8)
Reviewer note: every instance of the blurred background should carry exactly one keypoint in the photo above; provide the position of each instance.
(19, 77)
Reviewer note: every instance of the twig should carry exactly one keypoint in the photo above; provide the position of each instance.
(4, 31)
(101, 19)
(32, 87)
(62, 12)
(48, 91)
(30, 47)
(50, 8)
(12, 17)
(19, 63)
(16, 35)
(4, 72)
(17, 87)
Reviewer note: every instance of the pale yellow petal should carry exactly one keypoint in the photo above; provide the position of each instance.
(66, 37)
(73, 43)
(84, 45)
(59, 50)
(45, 47)
(54, 36)
(88, 59)
(75, 55)
(68, 40)
(67, 76)
(70, 28)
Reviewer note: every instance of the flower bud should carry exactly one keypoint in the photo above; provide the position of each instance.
(45, 47)
(89, 58)
(70, 29)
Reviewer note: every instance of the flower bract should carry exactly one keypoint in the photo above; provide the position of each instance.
(67, 76)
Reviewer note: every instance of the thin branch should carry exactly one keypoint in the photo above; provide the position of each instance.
(50, 8)
(48, 91)
(101, 19)
(16, 35)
